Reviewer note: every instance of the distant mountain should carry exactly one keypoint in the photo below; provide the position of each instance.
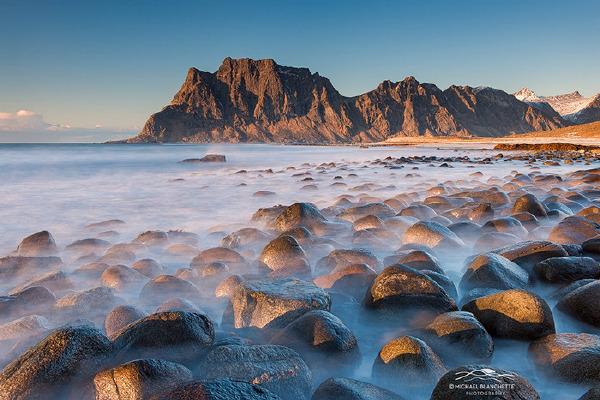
(571, 106)
(260, 101)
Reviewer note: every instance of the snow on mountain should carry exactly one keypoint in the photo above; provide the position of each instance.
(565, 104)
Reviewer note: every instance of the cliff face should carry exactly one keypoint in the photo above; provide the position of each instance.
(260, 101)
(589, 113)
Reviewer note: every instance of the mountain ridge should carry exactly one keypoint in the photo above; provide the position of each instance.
(249, 100)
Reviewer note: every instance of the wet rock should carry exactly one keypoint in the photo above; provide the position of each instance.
(227, 286)
(220, 254)
(351, 389)
(34, 299)
(468, 231)
(152, 238)
(506, 225)
(213, 270)
(457, 384)
(574, 230)
(12, 268)
(368, 222)
(177, 304)
(220, 389)
(23, 327)
(494, 240)
(513, 314)
(433, 235)
(53, 281)
(285, 257)
(531, 252)
(121, 278)
(407, 361)
(352, 280)
(444, 282)
(37, 245)
(60, 362)
(93, 304)
(273, 303)
(529, 203)
(148, 267)
(339, 259)
(267, 216)
(591, 246)
(403, 288)
(573, 357)
(139, 379)
(458, 337)
(276, 368)
(91, 270)
(322, 338)
(246, 237)
(567, 269)
(165, 287)
(119, 317)
(491, 270)
(88, 246)
(300, 214)
(176, 336)
(380, 210)
(117, 256)
(419, 211)
(421, 260)
(582, 303)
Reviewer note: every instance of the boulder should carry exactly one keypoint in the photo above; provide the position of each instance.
(245, 237)
(165, 287)
(400, 287)
(458, 337)
(529, 203)
(352, 280)
(55, 281)
(61, 362)
(88, 246)
(572, 357)
(152, 238)
(583, 303)
(119, 317)
(34, 299)
(433, 235)
(220, 254)
(273, 303)
(513, 314)
(321, 337)
(574, 229)
(567, 269)
(407, 361)
(491, 270)
(459, 384)
(20, 328)
(300, 214)
(93, 304)
(148, 267)
(339, 259)
(531, 252)
(122, 278)
(178, 304)
(506, 225)
(276, 368)
(176, 336)
(12, 268)
(139, 379)
(37, 245)
(380, 210)
(220, 389)
(285, 257)
(419, 211)
(351, 389)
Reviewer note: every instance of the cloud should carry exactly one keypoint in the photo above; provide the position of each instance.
(25, 126)
(22, 120)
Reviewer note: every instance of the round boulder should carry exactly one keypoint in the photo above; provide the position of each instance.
(36, 245)
(285, 257)
(433, 235)
(120, 317)
(491, 270)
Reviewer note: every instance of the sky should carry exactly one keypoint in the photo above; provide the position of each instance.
(95, 70)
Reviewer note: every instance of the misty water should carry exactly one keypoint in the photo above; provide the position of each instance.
(63, 188)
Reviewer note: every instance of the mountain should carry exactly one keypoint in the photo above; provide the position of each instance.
(571, 106)
(249, 100)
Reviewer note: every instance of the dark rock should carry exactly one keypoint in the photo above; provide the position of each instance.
(139, 379)
(567, 269)
(573, 357)
(174, 336)
(221, 389)
(527, 254)
(513, 314)
(338, 259)
(275, 368)
(583, 303)
(407, 361)
(351, 389)
(273, 303)
(63, 360)
(165, 287)
(491, 270)
(458, 383)
(206, 158)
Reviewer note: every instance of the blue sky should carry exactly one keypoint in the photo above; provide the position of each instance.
(107, 65)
